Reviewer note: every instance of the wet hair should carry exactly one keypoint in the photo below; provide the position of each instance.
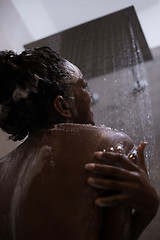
(28, 83)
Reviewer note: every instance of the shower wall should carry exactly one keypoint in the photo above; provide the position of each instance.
(136, 113)
(153, 72)
(123, 77)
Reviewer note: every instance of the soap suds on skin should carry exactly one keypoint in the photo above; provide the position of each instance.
(25, 178)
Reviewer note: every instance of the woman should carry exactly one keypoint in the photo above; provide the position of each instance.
(45, 97)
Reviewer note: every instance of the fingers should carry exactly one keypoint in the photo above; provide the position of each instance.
(136, 195)
(112, 171)
(111, 200)
(128, 180)
(111, 184)
(119, 158)
(122, 198)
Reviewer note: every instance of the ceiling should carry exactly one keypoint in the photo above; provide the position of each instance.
(46, 17)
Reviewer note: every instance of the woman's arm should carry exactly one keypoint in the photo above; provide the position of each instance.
(131, 180)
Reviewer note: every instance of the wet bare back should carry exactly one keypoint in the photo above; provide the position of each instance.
(44, 194)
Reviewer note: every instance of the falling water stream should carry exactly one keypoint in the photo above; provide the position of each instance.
(111, 51)
(124, 98)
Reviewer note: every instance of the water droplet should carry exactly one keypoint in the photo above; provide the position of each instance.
(95, 98)
(119, 148)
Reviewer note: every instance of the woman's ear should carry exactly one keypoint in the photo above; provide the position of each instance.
(62, 107)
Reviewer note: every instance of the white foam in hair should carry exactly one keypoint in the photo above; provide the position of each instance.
(73, 71)
(19, 94)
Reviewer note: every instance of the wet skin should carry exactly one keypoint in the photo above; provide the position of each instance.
(84, 113)
(130, 179)
(81, 106)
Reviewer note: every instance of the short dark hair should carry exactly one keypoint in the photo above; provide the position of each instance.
(29, 81)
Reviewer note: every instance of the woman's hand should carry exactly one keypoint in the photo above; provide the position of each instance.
(131, 181)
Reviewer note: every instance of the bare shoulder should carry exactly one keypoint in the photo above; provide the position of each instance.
(98, 135)
(117, 138)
